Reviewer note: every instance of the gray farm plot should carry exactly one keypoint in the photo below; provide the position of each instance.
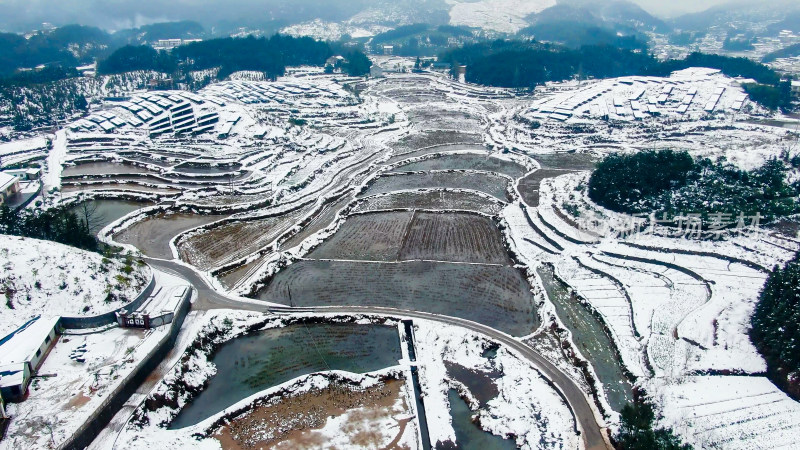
(529, 186)
(435, 200)
(491, 184)
(152, 235)
(454, 237)
(234, 240)
(103, 168)
(403, 154)
(497, 296)
(404, 236)
(369, 237)
(422, 139)
(466, 161)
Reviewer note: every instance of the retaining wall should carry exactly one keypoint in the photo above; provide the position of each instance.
(77, 323)
(86, 433)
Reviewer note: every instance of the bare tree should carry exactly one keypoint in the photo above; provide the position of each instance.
(88, 214)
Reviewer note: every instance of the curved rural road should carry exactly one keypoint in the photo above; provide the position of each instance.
(591, 431)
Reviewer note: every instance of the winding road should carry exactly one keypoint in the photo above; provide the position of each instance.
(592, 432)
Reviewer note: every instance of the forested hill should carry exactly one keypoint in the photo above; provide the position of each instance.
(268, 55)
(526, 64)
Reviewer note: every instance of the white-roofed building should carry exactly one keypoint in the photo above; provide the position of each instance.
(9, 185)
(22, 353)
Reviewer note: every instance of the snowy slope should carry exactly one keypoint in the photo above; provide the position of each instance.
(47, 278)
(499, 15)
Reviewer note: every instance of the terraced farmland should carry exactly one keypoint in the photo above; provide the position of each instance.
(214, 247)
(367, 237)
(466, 161)
(529, 186)
(152, 235)
(458, 237)
(435, 137)
(493, 185)
(437, 200)
(403, 154)
(497, 296)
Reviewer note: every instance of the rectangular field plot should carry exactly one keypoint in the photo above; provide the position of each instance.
(401, 154)
(497, 296)
(369, 237)
(493, 185)
(432, 200)
(417, 141)
(466, 161)
(454, 237)
(235, 240)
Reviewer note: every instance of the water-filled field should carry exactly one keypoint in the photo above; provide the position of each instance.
(253, 363)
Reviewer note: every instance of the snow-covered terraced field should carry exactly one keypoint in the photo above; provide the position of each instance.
(732, 412)
(425, 194)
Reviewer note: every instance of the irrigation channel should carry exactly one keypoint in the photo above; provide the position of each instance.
(591, 339)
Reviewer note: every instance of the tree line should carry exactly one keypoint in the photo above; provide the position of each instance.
(269, 55)
(775, 326)
(58, 224)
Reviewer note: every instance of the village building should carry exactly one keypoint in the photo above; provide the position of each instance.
(9, 185)
(376, 71)
(29, 174)
(159, 309)
(22, 353)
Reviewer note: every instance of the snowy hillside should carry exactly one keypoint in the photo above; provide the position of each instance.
(499, 15)
(42, 277)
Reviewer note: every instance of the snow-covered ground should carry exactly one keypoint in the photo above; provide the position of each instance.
(543, 420)
(50, 279)
(731, 412)
(677, 309)
(496, 15)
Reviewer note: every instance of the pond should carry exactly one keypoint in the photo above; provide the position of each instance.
(259, 361)
(469, 434)
(104, 212)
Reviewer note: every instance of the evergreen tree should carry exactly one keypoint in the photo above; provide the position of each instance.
(636, 430)
(775, 326)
